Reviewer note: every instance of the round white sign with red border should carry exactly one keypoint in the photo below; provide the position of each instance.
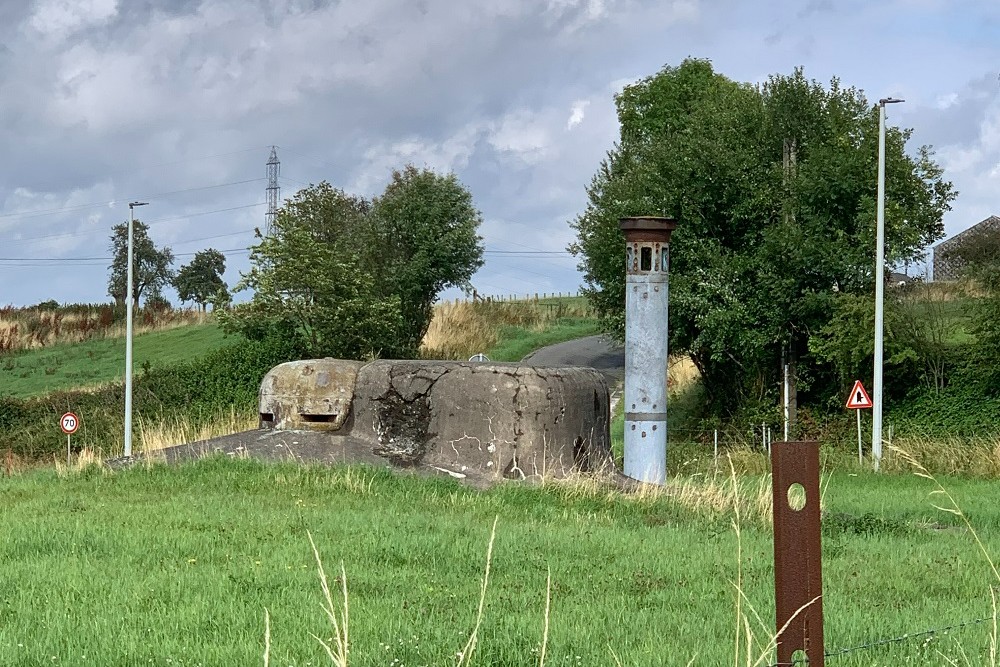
(69, 422)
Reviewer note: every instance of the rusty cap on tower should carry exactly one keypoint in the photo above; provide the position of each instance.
(647, 228)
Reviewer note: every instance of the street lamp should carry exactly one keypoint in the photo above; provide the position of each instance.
(879, 285)
(128, 334)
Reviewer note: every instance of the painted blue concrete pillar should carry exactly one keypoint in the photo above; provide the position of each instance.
(647, 251)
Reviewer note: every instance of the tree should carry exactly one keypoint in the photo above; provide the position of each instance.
(358, 278)
(201, 280)
(422, 237)
(150, 265)
(979, 257)
(773, 187)
(310, 289)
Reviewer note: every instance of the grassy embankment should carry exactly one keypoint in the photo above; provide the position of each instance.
(101, 361)
(72, 359)
(505, 331)
(176, 566)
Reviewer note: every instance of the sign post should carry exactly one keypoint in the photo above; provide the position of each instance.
(69, 422)
(859, 400)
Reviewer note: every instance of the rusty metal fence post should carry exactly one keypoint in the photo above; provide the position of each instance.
(798, 576)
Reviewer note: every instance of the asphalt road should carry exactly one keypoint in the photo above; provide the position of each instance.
(593, 351)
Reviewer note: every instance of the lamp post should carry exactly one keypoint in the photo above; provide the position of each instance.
(879, 286)
(128, 333)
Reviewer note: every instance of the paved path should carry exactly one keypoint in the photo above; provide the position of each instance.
(593, 351)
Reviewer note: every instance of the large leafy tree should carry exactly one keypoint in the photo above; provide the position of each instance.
(774, 190)
(201, 280)
(359, 278)
(150, 265)
(313, 292)
(422, 237)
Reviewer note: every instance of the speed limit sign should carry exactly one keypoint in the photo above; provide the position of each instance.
(69, 422)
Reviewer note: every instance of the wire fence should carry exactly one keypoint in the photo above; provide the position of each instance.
(891, 641)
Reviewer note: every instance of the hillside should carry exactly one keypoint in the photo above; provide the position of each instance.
(192, 382)
(94, 363)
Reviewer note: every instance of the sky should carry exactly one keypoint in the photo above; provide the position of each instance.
(178, 103)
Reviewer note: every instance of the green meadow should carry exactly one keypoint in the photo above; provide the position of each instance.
(177, 566)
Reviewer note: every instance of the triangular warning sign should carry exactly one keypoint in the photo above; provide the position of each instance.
(859, 398)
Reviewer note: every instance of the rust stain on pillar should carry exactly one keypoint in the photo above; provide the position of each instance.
(798, 573)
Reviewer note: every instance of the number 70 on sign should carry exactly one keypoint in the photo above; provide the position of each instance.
(69, 423)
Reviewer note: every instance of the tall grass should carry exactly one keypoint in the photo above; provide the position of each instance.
(41, 327)
(160, 433)
(630, 579)
(461, 329)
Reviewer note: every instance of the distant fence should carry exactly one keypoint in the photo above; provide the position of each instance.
(554, 302)
(536, 297)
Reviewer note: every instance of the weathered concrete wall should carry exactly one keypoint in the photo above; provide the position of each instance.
(312, 394)
(504, 420)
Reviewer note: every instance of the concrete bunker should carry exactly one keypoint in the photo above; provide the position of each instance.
(493, 420)
(312, 394)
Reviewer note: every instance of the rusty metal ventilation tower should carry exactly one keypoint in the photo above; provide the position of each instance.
(647, 249)
(273, 189)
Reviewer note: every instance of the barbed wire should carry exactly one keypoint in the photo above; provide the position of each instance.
(836, 653)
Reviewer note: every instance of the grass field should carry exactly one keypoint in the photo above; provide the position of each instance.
(176, 566)
(100, 361)
(504, 331)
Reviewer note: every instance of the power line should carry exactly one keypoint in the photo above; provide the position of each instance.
(51, 211)
(103, 259)
(154, 221)
(194, 215)
(317, 161)
(292, 180)
(205, 238)
(202, 157)
(217, 236)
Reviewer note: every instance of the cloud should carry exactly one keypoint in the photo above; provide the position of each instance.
(521, 134)
(947, 100)
(451, 154)
(57, 19)
(576, 114)
(177, 102)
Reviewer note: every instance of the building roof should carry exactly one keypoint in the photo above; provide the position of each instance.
(946, 268)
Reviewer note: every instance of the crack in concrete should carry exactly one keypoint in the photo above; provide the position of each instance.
(403, 414)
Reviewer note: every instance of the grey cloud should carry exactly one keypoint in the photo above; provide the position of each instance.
(959, 122)
(132, 106)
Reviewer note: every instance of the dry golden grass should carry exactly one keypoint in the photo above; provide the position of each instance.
(681, 373)
(155, 435)
(977, 457)
(82, 461)
(11, 464)
(723, 492)
(460, 329)
(31, 329)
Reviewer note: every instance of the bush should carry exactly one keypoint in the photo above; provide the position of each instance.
(228, 377)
